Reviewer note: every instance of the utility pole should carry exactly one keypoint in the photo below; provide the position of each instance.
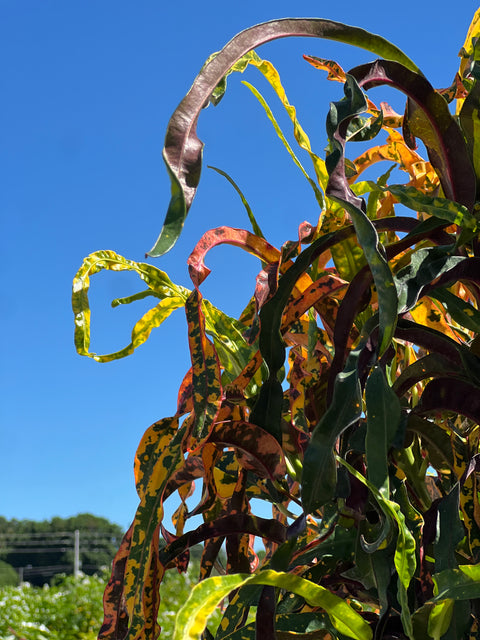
(76, 559)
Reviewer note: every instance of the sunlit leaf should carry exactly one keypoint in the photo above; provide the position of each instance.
(192, 617)
(207, 388)
(183, 149)
(171, 297)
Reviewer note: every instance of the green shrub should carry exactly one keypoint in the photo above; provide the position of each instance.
(8, 575)
(69, 610)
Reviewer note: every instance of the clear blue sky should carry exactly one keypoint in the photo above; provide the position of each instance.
(87, 90)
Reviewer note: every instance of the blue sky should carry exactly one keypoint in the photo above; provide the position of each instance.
(87, 90)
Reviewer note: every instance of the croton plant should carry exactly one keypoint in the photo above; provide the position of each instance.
(346, 396)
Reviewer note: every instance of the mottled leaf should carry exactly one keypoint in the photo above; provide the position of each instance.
(440, 207)
(115, 621)
(458, 584)
(207, 388)
(263, 454)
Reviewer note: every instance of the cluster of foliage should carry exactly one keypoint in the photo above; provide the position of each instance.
(364, 435)
(46, 547)
(71, 609)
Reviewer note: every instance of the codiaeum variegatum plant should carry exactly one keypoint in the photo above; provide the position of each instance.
(368, 451)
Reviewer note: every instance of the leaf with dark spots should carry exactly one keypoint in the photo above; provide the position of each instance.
(460, 354)
(431, 121)
(183, 149)
(464, 313)
(449, 394)
(255, 245)
(426, 265)
(207, 388)
(227, 525)
(185, 394)
(115, 621)
(266, 284)
(261, 451)
(321, 288)
(433, 365)
(191, 470)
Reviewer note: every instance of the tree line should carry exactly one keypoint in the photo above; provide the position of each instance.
(36, 551)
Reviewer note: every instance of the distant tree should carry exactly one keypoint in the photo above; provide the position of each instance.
(44, 549)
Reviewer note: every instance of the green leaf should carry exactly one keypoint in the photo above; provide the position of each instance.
(251, 217)
(439, 207)
(426, 265)
(450, 530)
(457, 584)
(383, 420)
(205, 597)
(465, 314)
(319, 475)
(440, 618)
(404, 559)
(271, 117)
(339, 190)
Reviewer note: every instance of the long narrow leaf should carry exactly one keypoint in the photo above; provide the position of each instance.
(183, 149)
(206, 596)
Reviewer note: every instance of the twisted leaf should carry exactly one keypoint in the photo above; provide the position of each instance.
(206, 596)
(183, 149)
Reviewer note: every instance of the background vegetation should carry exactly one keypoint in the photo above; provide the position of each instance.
(40, 550)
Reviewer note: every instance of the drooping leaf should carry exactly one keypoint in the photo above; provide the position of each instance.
(404, 559)
(432, 122)
(447, 394)
(228, 525)
(183, 149)
(458, 584)
(263, 453)
(440, 207)
(115, 621)
(339, 190)
(171, 297)
(192, 617)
